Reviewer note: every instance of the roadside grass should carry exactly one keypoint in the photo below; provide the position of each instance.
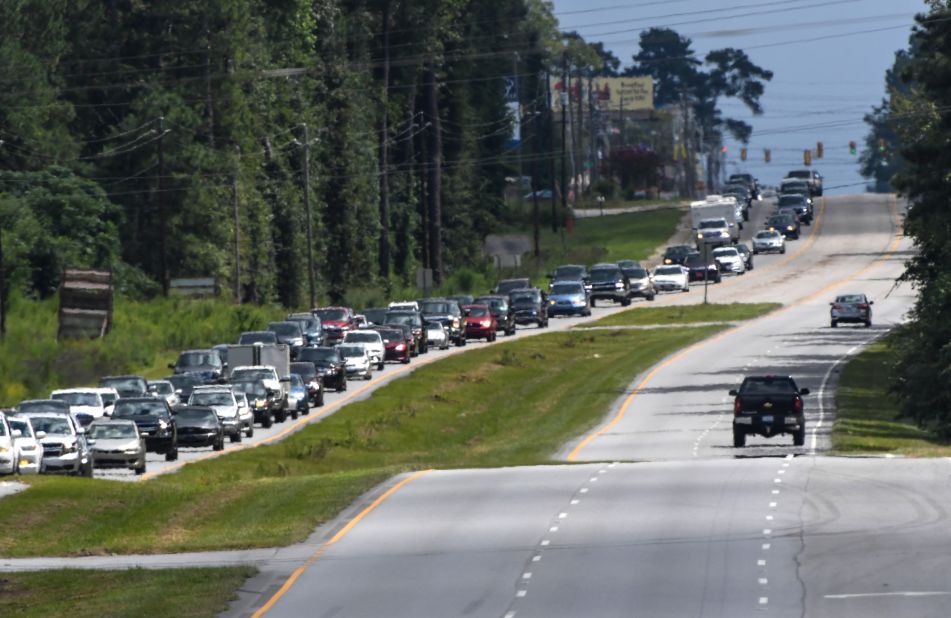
(511, 404)
(867, 415)
(178, 593)
(684, 314)
(145, 337)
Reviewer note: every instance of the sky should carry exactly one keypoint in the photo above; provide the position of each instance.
(828, 58)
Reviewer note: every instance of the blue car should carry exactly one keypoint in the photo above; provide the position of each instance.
(568, 298)
(297, 396)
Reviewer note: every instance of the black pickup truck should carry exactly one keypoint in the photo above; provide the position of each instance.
(767, 406)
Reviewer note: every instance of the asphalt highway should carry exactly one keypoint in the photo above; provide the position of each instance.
(667, 518)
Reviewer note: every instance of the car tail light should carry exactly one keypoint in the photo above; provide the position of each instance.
(863, 306)
(737, 406)
(837, 307)
(797, 405)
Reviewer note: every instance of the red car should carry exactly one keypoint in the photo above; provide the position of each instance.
(479, 322)
(336, 323)
(396, 346)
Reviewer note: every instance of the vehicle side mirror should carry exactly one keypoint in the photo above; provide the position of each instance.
(90, 441)
(81, 430)
(871, 302)
(733, 392)
(830, 304)
(285, 379)
(40, 435)
(803, 391)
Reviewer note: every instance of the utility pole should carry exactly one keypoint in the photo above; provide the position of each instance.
(3, 291)
(536, 212)
(518, 122)
(550, 115)
(435, 175)
(592, 131)
(565, 98)
(384, 155)
(237, 237)
(307, 213)
(163, 222)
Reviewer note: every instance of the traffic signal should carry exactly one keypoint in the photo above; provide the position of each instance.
(819, 150)
(742, 154)
(852, 148)
(767, 155)
(807, 157)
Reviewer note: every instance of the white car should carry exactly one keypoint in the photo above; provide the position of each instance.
(769, 241)
(372, 341)
(730, 260)
(83, 402)
(670, 278)
(407, 305)
(27, 442)
(357, 359)
(221, 399)
(109, 396)
(437, 336)
(64, 444)
(9, 452)
(165, 390)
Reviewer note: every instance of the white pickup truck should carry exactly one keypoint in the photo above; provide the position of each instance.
(270, 363)
(715, 221)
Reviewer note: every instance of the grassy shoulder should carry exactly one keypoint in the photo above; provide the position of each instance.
(145, 337)
(867, 414)
(505, 405)
(180, 593)
(684, 314)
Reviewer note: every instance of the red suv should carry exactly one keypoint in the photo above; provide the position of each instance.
(336, 323)
(480, 324)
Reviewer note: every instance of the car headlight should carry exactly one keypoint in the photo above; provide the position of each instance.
(400, 347)
(162, 425)
(618, 286)
(699, 236)
(69, 449)
(260, 403)
(28, 447)
(132, 451)
(4, 449)
(551, 302)
(790, 228)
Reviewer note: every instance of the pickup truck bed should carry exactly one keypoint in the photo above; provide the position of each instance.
(768, 406)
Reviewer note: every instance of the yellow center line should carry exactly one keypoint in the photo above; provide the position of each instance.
(326, 545)
(892, 247)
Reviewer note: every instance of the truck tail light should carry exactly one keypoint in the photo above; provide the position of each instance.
(737, 406)
(797, 405)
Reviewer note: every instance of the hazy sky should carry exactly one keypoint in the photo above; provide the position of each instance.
(828, 59)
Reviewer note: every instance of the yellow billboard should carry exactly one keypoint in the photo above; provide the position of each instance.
(611, 93)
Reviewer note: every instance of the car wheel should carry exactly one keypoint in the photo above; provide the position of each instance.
(219, 444)
(368, 376)
(280, 417)
(294, 414)
(87, 470)
(250, 432)
(686, 289)
(172, 454)
(868, 323)
(799, 438)
(834, 323)
(593, 302)
(650, 298)
(405, 360)
(739, 438)
(267, 422)
(139, 470)
(626, 302)
(343, 385)
(320, 399)
(379, 366)
(235, 437)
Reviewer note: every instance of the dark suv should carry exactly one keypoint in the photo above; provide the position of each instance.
(530, 306)
(609, 283)
(501, 310)
(507, 285)
(155, 421)
(676, 254)
(799, 202)
(449, 314)
(767, 406)
(127, 386)
(330, 366)
(290, 333)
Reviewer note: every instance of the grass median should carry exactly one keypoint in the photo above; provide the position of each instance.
(684, 314)
(179, 593)
(504, 405)
(867, 418)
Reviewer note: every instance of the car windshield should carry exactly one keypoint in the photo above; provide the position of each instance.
(253, 374)
(18, 424)
(307, 324)
(304, 370)
(850, 298)
(117, 431)
(192, 416)
(257, 337)
(512, 284)
(362, 338)
(42, 406)
(411, 319)
(390, 336)
(778, 221)
(351, 351)
(478, 311)
(768, 386)
(430, 307)
(183, 381)
(285, 329)
(567, 288)
(161, 388)
(523, 297)
(331, 315)
(52, 425)
(791, 200)
(677, 250)
(709, 224)
(569, 272)
(124, 384)
(668, 270)
(799, 174)
(254, 390)
(296, 382)
(767, 234)
(199, 359)
(79, 399)
(603, 275)
(211, 399)
(319, 354)
(724, 252)
(139, 408)
(695, 261)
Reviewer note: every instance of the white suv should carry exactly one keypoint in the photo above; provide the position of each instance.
(221, 399)
(372, 341)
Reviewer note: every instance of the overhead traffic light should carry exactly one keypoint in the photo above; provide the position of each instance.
(807, 157)
(742, 154)
(819, 150)
(852, 148)
(767, 155)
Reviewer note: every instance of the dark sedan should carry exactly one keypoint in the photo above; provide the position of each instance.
(199, 426)
(701, 269)
(677, 254)
(155, 421)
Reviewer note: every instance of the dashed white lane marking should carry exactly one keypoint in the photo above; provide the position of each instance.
(575, 501)
(562, 515)
(772, 505)
(526, 575)
(790, 456)
(763, 581)
(613, 464)
(767, 532)
(510, 615)
(763, 600)
(545, 543)
(521, 593)
(780, 472)
(583, 490)
(761, 563)
(594, 479)
(536, 557)
(777, 480)
(553, 529)
(775, 492)
(769, 518)
(766, 546)
(602, 471)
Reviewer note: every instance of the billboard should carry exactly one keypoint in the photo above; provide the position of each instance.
(611, 93)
